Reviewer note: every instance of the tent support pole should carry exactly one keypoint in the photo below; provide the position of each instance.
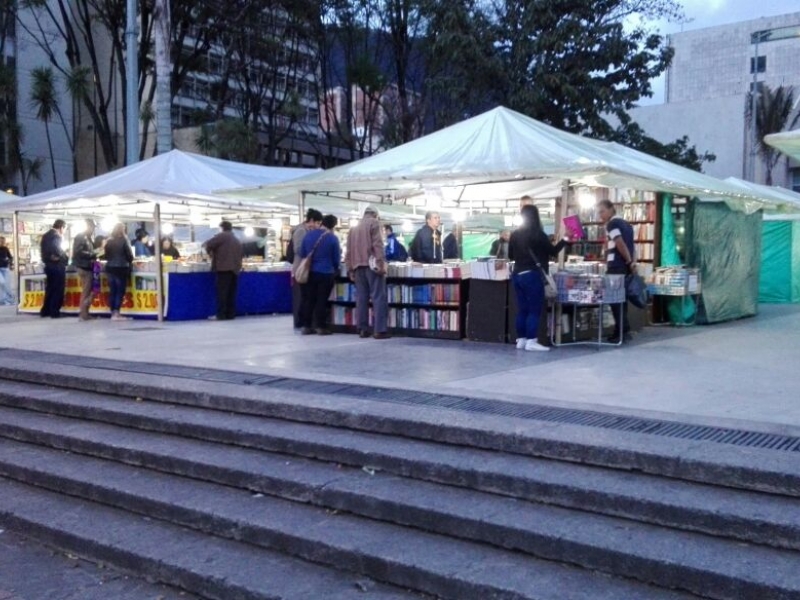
(562, 208)
(159, 264)
(15, 245)
(301, 204)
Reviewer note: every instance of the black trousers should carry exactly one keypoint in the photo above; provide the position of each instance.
(53, 290)
(615, 309)
(227, 283)
(314, 300)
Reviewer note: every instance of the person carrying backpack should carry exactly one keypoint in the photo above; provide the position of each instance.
(395, 251)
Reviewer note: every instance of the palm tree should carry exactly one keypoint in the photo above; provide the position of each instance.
(773, 114)
(43, 99)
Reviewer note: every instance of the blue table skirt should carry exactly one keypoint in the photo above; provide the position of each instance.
(194, 295)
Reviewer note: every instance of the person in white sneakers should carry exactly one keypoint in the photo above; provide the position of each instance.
(530, 249)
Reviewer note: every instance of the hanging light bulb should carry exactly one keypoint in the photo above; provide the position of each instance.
(167, 228)
(249, 231)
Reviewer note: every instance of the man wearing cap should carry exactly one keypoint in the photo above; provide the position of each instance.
(55, 270)
(364, 242)
(226, 260)
(83, 255)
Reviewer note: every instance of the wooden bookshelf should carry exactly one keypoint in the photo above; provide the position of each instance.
(418, 307)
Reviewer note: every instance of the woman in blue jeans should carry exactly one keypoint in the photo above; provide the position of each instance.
(530, 249)
(119, 258)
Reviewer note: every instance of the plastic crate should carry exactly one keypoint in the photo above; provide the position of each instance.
(674, 281)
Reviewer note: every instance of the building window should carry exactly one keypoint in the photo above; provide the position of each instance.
(796, 180)
(762, 64)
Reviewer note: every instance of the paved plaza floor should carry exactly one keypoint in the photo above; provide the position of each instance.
(744, 370)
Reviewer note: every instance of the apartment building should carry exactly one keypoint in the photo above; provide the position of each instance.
(707, 87)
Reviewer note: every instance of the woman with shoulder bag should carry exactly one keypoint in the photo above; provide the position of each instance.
(530, 249)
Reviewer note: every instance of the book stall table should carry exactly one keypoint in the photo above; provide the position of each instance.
(188, 294)
(583, 299)
(677, 282)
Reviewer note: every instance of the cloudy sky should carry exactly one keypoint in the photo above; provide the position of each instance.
(708, 13)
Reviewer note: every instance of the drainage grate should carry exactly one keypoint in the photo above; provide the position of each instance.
(586, 418)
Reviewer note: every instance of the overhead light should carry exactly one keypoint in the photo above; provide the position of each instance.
(517, 220)
(249, 231)
(108, 223)
(586, 199)
(167, 228)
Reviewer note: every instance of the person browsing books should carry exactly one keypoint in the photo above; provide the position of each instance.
(620, 259)
(530, 249)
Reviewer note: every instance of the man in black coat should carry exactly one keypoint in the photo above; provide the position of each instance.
(55, 269)
(427, 244)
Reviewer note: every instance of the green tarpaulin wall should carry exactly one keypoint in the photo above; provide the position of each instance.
(780, 262)
(726, 246)
(474, 244)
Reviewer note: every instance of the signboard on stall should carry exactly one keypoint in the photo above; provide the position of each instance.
(141, 297)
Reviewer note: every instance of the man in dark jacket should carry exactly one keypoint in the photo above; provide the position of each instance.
(6, 264)
(55, 270)
(226, 260)
(499, 247)
(83, 254)
(427, 244)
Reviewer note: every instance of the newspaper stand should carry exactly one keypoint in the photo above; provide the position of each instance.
(589, 291)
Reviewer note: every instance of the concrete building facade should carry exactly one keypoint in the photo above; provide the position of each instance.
(707, 87)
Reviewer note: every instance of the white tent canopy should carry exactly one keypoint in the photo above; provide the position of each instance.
(787, 142)
(787, 201)
(180, 182)
(489, 151)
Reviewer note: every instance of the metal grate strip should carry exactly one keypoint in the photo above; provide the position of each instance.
(585, 418)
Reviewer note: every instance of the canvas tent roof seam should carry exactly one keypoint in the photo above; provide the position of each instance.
(507, 145)
(174, 179)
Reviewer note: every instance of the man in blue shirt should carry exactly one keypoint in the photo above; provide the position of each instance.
(619, 259)
(395, 251)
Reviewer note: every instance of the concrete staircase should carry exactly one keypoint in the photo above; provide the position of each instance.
(236, 491)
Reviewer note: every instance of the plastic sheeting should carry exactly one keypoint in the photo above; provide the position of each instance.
(726, 246)
(780, 262)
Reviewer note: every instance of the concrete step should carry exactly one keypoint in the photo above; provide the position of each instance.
(205, 565)
(405, 557)
(746, 516)
(674, 457)
(704, 565)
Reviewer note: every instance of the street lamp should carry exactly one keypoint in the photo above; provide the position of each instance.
(756, 38)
